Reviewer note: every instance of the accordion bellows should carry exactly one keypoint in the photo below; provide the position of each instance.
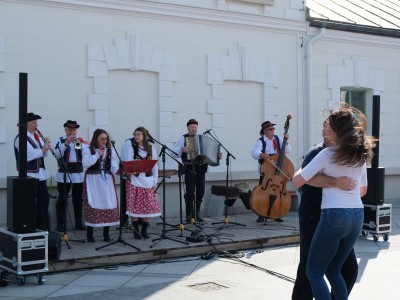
(204, 148)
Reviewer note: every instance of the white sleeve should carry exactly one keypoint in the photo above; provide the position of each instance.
(288, 148)
(315, 165)
(364, 179)
(114, 163)
(126, 151)
(34, 153)
(178, 146)
(256, 150)
(88, 159)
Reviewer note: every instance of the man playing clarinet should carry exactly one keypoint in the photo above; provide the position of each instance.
(37, 149)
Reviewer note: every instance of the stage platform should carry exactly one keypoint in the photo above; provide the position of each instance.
(220, 236)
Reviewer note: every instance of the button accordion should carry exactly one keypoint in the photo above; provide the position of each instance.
(204, 149)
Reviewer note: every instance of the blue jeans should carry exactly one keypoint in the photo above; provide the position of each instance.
(337, 232)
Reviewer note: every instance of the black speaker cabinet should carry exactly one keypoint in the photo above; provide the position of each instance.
(54, 245)
(376, 186)
(21, 204)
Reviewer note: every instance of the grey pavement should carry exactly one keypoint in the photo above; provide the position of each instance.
(253, 274)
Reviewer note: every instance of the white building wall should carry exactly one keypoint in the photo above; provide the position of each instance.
(230, 64)
(351, 60)
(120, 69)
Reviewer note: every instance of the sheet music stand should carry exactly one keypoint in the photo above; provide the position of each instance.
(137, 166)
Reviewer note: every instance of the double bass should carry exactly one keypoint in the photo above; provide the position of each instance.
(270, 198)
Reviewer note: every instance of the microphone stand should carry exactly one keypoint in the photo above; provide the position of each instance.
(181, 227)
(65, 190)
(228, 155)
(122, 196)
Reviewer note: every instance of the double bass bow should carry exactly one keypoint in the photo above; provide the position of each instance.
(270, 198)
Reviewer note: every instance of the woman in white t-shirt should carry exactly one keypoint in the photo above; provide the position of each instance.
(342, 211)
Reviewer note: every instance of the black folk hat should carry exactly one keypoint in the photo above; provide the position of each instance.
(192, 121)
(32, 117)
(71, 124)
(264, 125)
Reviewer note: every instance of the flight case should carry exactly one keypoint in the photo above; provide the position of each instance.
(377, 220)
(24, 254)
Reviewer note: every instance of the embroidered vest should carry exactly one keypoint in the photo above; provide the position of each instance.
(264, 145)
(34, 165)
(74, 167)
(96, 169)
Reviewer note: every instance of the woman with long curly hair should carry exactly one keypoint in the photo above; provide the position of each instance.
(342, 211)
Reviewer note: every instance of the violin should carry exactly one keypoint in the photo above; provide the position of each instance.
(270, 198)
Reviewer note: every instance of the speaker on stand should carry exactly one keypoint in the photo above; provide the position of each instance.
(21, 204)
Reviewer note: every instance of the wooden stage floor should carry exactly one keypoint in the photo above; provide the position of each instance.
(173, 243)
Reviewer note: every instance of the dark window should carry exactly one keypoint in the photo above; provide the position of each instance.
(355, 98)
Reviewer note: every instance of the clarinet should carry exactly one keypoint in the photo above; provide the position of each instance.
(44, 140)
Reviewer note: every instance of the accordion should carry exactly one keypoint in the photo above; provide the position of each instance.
(204, 149)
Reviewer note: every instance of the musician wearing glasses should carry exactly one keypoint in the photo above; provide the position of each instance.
(37, 149)
(70, 174)
(269, 143)
(99, 192)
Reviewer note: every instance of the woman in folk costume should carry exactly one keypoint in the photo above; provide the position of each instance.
(141, 201)
(100, 196)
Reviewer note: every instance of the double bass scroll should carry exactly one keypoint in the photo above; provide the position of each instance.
(270, 198)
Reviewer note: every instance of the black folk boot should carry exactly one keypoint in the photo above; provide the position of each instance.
(78, 218)
(89, 234)
(136, 233)
(106, 233)
(144, 230)
(198, 217)
(189, 210)
(60, 214)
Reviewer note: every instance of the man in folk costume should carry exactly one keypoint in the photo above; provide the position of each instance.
(141, 201)
(37, 149)
(268, 144)
(100, 195)
(69, 147)
(195, 172)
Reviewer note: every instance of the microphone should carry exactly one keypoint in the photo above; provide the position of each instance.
(113, 142)
(150, 139)
(103, 147)
(207, 131)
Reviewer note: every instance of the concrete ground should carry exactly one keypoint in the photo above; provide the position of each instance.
(266, 273)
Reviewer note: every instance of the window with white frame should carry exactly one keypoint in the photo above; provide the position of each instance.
(360, 99)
